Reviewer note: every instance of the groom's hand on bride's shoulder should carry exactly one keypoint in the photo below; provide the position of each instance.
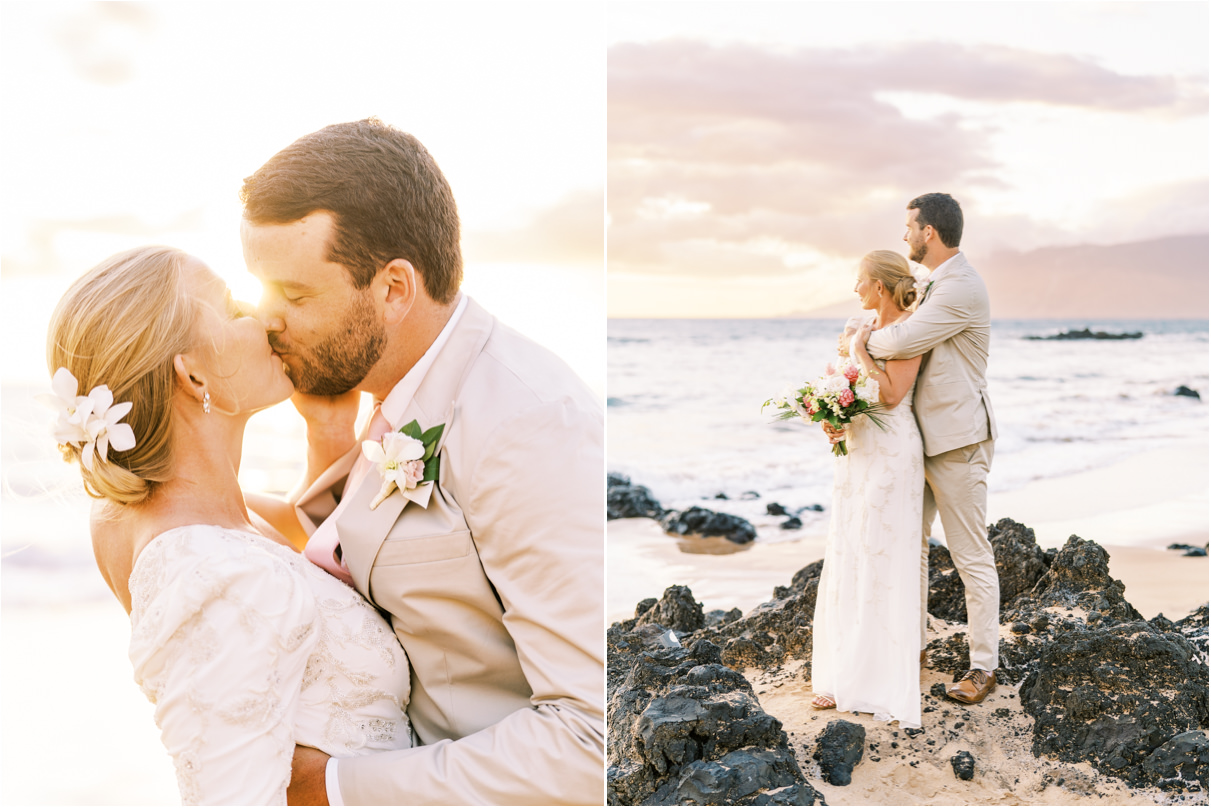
(307, 784)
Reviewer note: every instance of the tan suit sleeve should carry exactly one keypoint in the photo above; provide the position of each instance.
(946, 312)
(322, 496)
(536, 511)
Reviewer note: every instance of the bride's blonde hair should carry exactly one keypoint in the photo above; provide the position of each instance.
(121, 325)
(893, 271)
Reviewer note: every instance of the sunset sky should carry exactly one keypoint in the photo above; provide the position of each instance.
(757, 150)
(130, 123)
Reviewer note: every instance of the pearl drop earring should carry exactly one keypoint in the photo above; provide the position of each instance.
(206, 403)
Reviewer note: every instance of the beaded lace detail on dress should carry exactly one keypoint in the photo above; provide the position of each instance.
(246, 648)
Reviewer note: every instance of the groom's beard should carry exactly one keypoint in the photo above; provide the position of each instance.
(339, 363)
(915, 254)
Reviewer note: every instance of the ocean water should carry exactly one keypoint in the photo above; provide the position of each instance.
(684, 409)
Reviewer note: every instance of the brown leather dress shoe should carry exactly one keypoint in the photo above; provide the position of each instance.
(973, 687)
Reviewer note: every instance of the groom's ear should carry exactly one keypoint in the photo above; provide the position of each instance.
(401, 281)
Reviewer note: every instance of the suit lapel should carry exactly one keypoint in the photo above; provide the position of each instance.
(362, 531)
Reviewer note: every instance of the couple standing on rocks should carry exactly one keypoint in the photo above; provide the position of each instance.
(937, 437)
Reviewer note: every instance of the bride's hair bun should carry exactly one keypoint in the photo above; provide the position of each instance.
(121, 325)
(893, 271)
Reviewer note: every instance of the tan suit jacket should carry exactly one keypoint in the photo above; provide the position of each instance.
(951, 328)
(495, 589)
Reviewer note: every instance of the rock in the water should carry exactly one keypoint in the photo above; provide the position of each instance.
(1085, 333)
(1112, 695)
(839, 749)
(774, 509)
(695, 521)
(1180, 763)
(794, 523)
(1020, 564)
(750, 495)
(1196, 552)
(964, 765)
(1183, 390)
(676, 610)
(624, 500)
(686, 729)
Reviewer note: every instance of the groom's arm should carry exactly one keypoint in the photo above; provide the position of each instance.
(947, 311)
(536, 510)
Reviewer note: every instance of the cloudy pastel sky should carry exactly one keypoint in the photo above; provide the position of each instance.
(135, 122)
(756, 150)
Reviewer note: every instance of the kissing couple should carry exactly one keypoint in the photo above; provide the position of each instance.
(927, 348)
(419, 622)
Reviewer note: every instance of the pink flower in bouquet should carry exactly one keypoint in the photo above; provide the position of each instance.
(810, 404)
(846, 398)
(851, 373)
(829, 369)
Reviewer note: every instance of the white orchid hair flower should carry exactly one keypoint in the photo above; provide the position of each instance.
(88, 422)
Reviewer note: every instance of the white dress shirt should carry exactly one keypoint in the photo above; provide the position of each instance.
(393, 409)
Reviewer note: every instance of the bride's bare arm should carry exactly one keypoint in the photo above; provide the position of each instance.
(894, 379)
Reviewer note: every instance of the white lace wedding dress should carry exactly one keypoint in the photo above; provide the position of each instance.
(247, 648)
(867, 628)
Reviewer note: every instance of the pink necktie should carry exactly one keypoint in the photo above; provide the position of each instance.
(324, 547)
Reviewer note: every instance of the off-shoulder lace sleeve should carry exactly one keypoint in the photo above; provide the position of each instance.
(220, 635)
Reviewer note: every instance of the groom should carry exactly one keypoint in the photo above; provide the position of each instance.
(493, 578)
(951, 328)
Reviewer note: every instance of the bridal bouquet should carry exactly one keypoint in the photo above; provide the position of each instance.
(838, 397)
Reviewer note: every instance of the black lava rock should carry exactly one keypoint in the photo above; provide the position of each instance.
(1020, 564)
(839, 749)
(776, 629)
(1180, 763)
(1183, 390)
(676, 610)
(964, 765)
(685, 729)
(695, 521)
(794, 523)
(774, 509)
(624, 500)
(1112, 695)
(1078, 578)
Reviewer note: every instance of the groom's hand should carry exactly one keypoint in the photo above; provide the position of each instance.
(328, 414)
(307, 786)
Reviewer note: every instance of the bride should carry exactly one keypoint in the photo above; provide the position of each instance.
(244, 646)
(868, 608)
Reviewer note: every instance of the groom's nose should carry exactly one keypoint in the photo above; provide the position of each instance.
(271, 321)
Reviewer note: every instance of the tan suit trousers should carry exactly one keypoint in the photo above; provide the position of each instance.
(956, 488)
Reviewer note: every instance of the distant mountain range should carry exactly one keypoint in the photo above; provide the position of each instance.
(1164, 278)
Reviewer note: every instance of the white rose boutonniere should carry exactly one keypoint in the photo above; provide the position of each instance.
(406, 460)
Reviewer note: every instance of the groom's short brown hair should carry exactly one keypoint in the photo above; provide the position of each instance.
(942, 213)
(388, 199)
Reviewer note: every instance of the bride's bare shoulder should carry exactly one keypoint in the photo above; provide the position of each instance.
(114, 539)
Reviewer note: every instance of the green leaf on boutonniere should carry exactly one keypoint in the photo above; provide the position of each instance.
(412, 430)
(432, 434)
(431, 470)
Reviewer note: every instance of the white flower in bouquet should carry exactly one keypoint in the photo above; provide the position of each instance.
(867, 390)
(836, 384)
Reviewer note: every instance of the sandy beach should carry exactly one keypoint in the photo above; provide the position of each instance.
(1134, 509)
